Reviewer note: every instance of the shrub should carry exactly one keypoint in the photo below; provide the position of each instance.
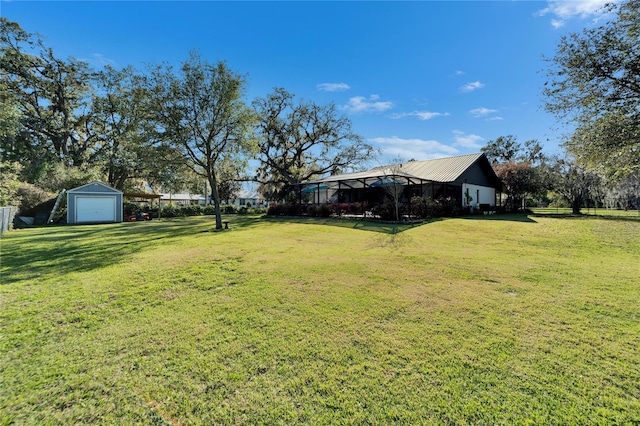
(291, 209)
(426, 207)
(209, 209)
(340, 208)
(286, 209)
(172, 211)
(449, 206)
(324, 210)
(229, 209)
(387, 210)
(274, 210)
(419, 207)
(192, 210)
(130, 208)
(259, 210)
(31, 196)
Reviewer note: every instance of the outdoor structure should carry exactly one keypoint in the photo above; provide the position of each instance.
(248, 198)
(94, 203)
(182, 199)
(469, 179)
(144, 200)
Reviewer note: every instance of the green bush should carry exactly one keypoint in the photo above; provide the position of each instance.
(172, 211)
(31, 196)
(449, 206)
(229, 209)
(274, 210)
(130, 208)
(198, 210)
(209, 209)
(426, 207)
(387, 211)
(192, 210)
(259, 210)
(286, 209)
(324, 210)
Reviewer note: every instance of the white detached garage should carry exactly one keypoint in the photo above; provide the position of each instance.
(94, 203)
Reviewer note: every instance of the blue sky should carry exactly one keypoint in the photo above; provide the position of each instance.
(417, 79)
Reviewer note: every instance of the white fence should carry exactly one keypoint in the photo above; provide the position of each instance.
(6, 218)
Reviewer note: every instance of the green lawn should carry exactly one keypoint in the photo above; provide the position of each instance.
(489, 320)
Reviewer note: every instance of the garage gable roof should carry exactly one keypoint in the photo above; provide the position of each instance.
(95, 187)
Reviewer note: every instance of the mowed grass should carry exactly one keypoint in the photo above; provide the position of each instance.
(488, 320)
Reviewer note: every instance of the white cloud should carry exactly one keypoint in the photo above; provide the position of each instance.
(361, 104)
(407, 149)
(496, 118)
(470, 87)
(481, 112)
(333, 87)
(464, 140)
(98, 59)
(422, 115)
(564, 10)
(459, 72)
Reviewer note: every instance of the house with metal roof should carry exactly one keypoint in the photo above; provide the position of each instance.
(469, 179)
(167, 198)
(247, 198)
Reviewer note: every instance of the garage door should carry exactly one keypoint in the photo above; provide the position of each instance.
(95, 209)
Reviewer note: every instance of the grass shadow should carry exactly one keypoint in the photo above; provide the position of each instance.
(571, 216)
(39, 252)
(509, 217)
(389, 228)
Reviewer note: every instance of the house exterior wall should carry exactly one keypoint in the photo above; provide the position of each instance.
(475, 175)
(251, 202)
(479, 195)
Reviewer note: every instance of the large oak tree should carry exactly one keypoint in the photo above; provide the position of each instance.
(301, 140)
(128, 147)
(594, 84)
(52, 98)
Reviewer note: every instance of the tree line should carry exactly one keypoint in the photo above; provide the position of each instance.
(64, 123)
(593, 87)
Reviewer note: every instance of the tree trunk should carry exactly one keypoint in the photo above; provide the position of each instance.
(575, 205)
(215, 197)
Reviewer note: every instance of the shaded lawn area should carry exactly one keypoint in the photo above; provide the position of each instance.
(484, 320)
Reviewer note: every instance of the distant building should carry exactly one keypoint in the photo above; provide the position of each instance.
(246, 198)
(182, 199)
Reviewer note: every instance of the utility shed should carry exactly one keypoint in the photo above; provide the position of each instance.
(94, 203)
